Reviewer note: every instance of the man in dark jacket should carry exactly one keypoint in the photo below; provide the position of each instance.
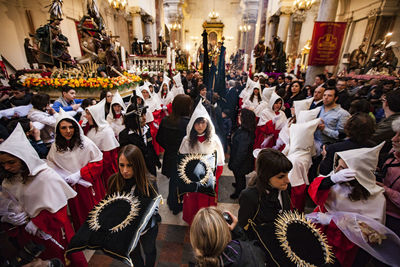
(344, 98)
(384, 131)
(20, 96)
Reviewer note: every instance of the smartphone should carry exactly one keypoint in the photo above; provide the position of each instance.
(227, 218)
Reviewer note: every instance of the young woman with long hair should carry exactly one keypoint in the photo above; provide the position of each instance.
(34, 200)
(80, 162)
(133, 177)
(201, 139)
(295, 93)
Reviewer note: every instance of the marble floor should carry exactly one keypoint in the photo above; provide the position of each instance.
(173, 244)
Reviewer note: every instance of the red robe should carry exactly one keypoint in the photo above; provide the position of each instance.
(110, 164)
(87, 197)
(154, 131)
(345, 250)
(263, 131)
(59, 227)
(193, 202)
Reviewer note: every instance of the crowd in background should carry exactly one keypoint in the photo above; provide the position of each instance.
(299, 134)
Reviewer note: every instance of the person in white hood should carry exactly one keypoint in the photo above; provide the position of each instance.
(114, 117)
(177, 88)
(254, 99)
(101, 133)
(270, 123)
(201, 138)
(154, 107)
(352, 188)
(166, 96)
(34, 199)
(80, 162)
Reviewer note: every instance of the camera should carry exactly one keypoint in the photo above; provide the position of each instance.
(227, 218)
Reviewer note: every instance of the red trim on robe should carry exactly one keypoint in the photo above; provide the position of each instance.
(59, 227)
(345, 251)
(263, 131)
(298, 197)
(110, 164)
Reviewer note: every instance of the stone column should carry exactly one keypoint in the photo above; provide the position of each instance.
(283, 27)
(136, 23)
(289, 37)
(271, 29)
(250, 38)
(327, 12)
(150, 28)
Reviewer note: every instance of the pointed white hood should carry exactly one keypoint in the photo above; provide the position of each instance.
(46, 190)
(68, 162)
(274, 97)
(97, 112)
(248, 89)
(117, 99)
(153, 101)
(267, 92)
(18, 145)
(363, 161)
(178, 80)
(214, 143)
(302, 105)
(266, 112)
(149, 114)
(103, 137)
(64, 115)
(199, 112)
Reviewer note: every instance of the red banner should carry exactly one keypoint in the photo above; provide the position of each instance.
(326, 43)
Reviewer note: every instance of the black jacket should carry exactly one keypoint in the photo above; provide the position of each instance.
(170, 137)
(344, 99)
(269, 206)
(26, 100)
(148, 151)
(241, 158)
(326, 165)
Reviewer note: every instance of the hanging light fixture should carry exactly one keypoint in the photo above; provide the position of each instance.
(118, 4)
(303, 4)
(176, 26)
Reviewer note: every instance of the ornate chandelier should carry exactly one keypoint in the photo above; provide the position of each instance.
(213, 15)
(118, 4)
(303, 4)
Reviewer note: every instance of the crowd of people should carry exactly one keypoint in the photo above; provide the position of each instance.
(336, 142)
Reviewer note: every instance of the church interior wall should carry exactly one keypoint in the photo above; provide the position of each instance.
(230, 15)
(15, 25)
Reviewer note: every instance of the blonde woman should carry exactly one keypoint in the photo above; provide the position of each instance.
(215, 245)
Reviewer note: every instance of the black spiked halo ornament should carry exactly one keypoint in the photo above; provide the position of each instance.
(131, 204)
(302, 242)
(196, 173)
(115, 225)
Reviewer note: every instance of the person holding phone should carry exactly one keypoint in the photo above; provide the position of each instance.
(217, 243)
